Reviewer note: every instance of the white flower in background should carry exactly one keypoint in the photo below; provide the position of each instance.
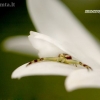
(65, 35)
(18, 44)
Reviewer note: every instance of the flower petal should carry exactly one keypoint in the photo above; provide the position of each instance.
(44, 45)
(64, 27)
(83, 79)
(82, 57)
(18, 44)
(43, 68)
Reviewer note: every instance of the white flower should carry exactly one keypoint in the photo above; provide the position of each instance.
(65, 35)
(47, 47)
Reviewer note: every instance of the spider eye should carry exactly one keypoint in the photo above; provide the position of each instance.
(68, 57)
(84, 65)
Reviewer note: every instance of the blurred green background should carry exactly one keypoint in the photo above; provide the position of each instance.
(16, 21)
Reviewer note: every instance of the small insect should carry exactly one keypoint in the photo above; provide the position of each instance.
(62, 58)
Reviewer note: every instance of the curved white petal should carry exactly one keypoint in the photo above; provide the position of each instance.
(46, 48)
(83, 79)
(43, 68)
(18, 44)
(45, 38)
(51, 17)
(64, 48)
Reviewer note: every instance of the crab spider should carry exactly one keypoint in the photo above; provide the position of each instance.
(62, 58)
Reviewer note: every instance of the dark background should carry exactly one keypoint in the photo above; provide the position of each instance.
(16, 21)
